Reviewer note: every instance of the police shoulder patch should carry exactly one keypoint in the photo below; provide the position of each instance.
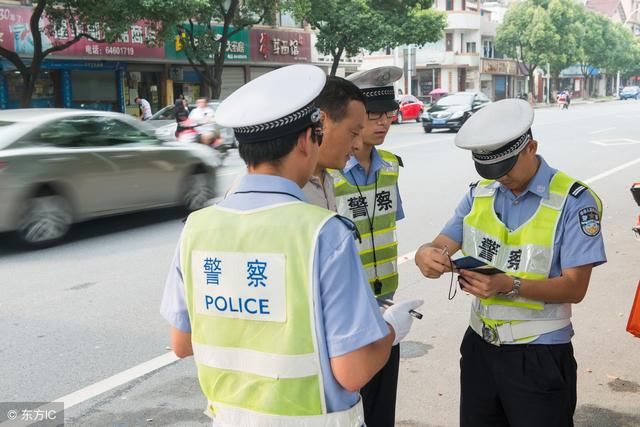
(474, 184)
(589, 221)
(400, 163)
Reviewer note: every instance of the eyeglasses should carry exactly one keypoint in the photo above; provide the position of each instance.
(377, 115)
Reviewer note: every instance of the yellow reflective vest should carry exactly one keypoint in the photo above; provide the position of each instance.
(526, 252)
(249, 293)
(374, 205)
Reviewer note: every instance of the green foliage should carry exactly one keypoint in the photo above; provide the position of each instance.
(350, 26)
(562, 33)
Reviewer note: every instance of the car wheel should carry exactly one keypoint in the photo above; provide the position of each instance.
(399, 118)
(427, 129)
(198, 190)
(45, 220)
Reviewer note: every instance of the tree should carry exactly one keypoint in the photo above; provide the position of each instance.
(528, 34)
(595, 44)
(83, 19)
(349, 26)
(565, 18)
(204, 28)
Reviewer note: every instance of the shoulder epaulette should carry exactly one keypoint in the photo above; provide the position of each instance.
(474, 184)
(351, 226)
(577, 189)
(400, 161)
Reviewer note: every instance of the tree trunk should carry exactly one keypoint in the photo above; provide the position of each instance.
(29, 83)
(532, 86)
(336, 61)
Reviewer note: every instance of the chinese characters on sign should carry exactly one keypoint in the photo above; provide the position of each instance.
(280, 46)
(383, 200)
(358, 206)
(488, 249)
(514, 259)
(256, 269)
(15, 35)
(212, 270)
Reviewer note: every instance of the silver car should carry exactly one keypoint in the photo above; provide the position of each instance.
(62, 166)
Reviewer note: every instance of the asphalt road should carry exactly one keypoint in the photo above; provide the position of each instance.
(76, 318)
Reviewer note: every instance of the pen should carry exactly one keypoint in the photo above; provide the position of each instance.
(389, 303)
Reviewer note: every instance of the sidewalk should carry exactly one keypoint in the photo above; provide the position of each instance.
(579, 101)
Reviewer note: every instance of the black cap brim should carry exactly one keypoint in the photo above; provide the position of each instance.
(496, 170)
(382, 105)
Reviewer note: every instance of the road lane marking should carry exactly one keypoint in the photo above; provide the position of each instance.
(131, 374)
(615, 142)
(611, 171)
(117, 380)
(602, 130)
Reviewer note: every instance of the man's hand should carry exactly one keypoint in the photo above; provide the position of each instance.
(400, 319)
(484, 285)
(432, 261)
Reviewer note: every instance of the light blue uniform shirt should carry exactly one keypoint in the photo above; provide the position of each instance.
(346, 314)
(573, 247)
(356, 175)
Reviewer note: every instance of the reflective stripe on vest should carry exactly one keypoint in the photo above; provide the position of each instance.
(249, 293)
(526, 252)
(380, 198)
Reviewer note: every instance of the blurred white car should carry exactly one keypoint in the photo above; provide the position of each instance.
(62, 166)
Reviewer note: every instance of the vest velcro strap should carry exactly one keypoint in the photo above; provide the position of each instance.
(227, 416)
(510, 333)
(255, 362)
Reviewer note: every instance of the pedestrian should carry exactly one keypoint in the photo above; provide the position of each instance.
(145, 108)
(203, 115)
(367, 193)
(342, 114)
(542, 229)
(267, 291)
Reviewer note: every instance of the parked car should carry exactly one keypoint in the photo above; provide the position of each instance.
(451, 111)
(164, 121)
(63, 166)
(409, 108)
(628, 92)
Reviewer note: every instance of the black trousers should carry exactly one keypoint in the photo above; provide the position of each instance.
(379, 395)
(516, 385)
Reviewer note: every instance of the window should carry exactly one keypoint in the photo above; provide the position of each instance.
(117, 132)
(464, 5)
(487, 49)
(449, 42)
(471, 47)
(449, 4)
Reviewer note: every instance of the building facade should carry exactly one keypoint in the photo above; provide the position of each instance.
(465, 59)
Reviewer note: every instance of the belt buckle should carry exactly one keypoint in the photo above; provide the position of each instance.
(490, 335)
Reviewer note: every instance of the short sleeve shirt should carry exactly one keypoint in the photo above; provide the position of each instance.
(573, 247)
(347, 315)
(321, 193)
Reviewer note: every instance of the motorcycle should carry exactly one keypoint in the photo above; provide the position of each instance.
(187, 131)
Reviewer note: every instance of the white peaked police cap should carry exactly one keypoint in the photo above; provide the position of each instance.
(275, 104)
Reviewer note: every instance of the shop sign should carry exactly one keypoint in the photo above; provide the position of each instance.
(280, 46)
(53, 64)
(499, 66)
(15, 35)
(237, 45)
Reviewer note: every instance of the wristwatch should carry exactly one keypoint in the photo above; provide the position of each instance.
(515, 290)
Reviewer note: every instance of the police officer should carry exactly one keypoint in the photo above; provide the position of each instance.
(266, 291)
(367, 193)
(542, 229)
(342, 114)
